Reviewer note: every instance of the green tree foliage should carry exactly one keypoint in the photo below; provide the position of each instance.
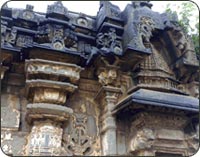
(185, 12)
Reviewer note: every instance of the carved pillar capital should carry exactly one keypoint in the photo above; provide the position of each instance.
(108, 95)
(108, 76)
(50, 81)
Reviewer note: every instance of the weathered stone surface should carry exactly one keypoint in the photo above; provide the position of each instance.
(39, 66)
(3, 70)
(118, 83)
(50, 111)
(10, 111)
(6, 141)
(45, 139)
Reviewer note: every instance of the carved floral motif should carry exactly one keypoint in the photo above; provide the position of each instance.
(108, 42)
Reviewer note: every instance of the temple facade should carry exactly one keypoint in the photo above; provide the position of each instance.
(118, 83)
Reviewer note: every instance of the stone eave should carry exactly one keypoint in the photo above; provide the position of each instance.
(65, 51)
(161, 99)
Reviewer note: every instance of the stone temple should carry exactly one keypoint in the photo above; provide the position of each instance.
(118, 83)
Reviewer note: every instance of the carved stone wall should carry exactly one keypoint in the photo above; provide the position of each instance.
(120, 83)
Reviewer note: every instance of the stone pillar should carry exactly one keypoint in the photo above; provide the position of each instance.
(48, 85)
(108, 97)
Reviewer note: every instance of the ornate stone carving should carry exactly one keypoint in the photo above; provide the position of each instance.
(44, 33)
(6, 141)
(39, 66)
(49, 96)
(45, 139)
(108, 43)
(146, 27)
(107, 77)
(11, 37)
(79, 142)
(134, 96)
(110, 9)
(62, 38)
(142, 140)
(186, 59)
(28, 14)
(155, 72)
(155, 120)
(24, 40)
(184, 44)
(46, 89)
(27, 17)
(82, 20)
(108, 13)
(57, 37)
(52, 91)
(70, 38)
(57, 8)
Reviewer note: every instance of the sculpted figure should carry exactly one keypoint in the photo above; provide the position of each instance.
(142, 140)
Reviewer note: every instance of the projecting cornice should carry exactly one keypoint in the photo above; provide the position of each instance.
(111, 33)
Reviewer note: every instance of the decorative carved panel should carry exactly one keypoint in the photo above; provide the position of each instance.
(45, 139)
(142, 140)
(79, 142)
(109, 42)
(6, 141)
